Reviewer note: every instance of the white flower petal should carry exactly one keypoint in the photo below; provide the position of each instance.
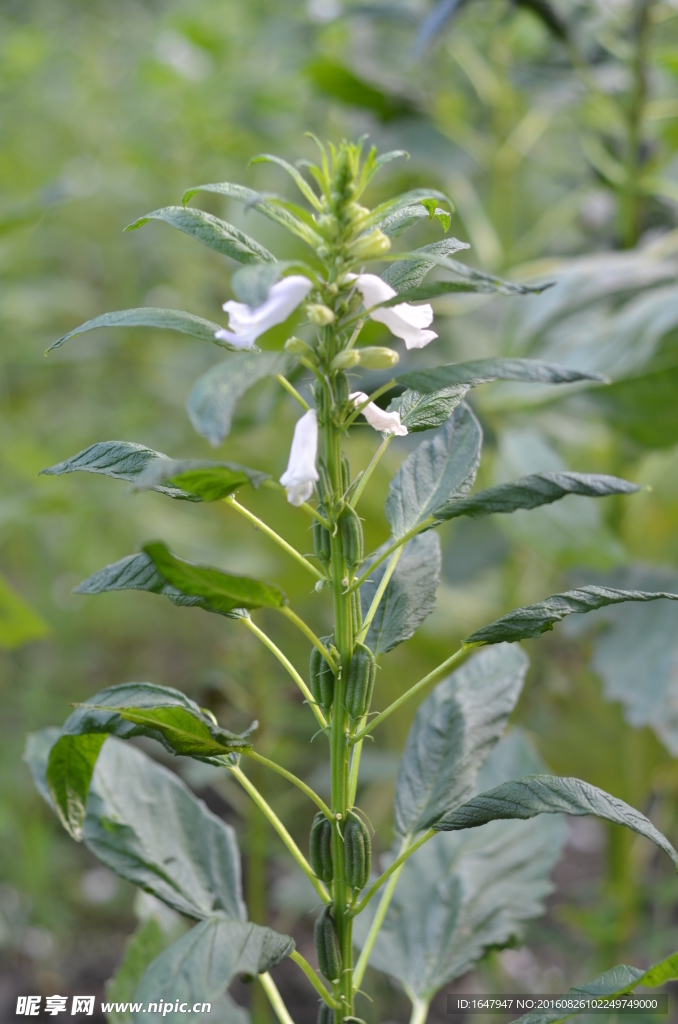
(404, 320)
(234, 340)
(247, 323)
(386, 422)
(301, 472)
(372, 288)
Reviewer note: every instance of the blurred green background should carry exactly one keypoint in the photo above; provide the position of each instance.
(554, 128)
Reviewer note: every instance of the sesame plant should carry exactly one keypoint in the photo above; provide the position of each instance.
(448, 890)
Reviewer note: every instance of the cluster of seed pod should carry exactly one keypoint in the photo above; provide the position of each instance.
(357, 850)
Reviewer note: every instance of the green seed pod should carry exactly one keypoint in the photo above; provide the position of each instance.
(361, 673)
(325, 1013)
(321, 539)
(320, 848)
(340, 388)
(322, 677)
(357, 851)
(345, 472)
(324, 485)
(356, 613)
(351, 536)
(327, 946)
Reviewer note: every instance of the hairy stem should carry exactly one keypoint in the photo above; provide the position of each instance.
(310, 793)
(287, 664)
(324, 993)
(275, 999)
(291, 390)
(376, 600)
(259, 524)
(277, 824)
(370, 470)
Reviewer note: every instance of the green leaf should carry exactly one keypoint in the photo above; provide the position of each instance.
(410, 272)
(453, 732)
(147, 826)
(69, 773)
(535, 619)
(538, 489)
(643, 407)
(251, 284)
(426, 412)
(471, 280)
(464, 893)
(121, 460)
(484, 371)
(277, 210)
(147, 316)
(339, 83)
(550, 794)
(409, 596)
(201, 964)
(215, 233)
(213, 400)
(223, 591)
(147, 942)
(200, 479)
(36, 756)
(138, 572)
(383, 214)
(296, 176)
(19, 623)
(438, 471)
(615, 982)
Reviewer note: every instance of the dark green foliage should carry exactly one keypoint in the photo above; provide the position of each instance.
(357, 851)
(320, 848)
(327, 945)
(360, 684)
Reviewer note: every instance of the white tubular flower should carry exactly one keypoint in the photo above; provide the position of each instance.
(301, 472)
(386, 422)
(245, 324)
(404, 320)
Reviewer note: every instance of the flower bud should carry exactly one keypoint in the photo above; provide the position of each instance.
(319, 314)
(345, 360)
(377, 357)
(298, 347)
(370, 246)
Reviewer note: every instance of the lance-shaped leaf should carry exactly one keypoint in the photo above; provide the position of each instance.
(201, 964)
(535, 619)
(147, 826)
(436, 473)
(615, 982)
(213, 400)
(121, 460)
(211, 231)
(133, 709)
(409, 596)
(163, 319)
(537, 489)
(484, 371)
(397, 222)
(138, 572)
(425, 197)
(463, 893)
(550, 794)
(426, 412)
(201, 479)
(410, 272)
(468, 280)
(224, 592)
(453, 732)
(287, 214)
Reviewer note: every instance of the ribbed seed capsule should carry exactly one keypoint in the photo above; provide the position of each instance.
(324, 485)
(327, 946)
(357, 851)
(351, 536)
(321, 676)
(356, 612)
(325, 1013)
(320, 848)
(345, 472)
(340, 390)
(361, 673)
(321, 539)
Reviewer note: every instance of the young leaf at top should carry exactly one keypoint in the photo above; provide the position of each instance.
(410, 272)
(484, 371)
(416, 197)
(201, 479)
(463, 893)
(426, 412)
(201, 964)
(550, 794)
(121, 460)
(615, 982)
(282, 212)
(409, 596)
(145, 824)
(211, 231)
(298, 178)
(535, 619)
(163, 319)
(213, 400)
(453, 732)
(138, 572)
(223, 591)
(535, 490)
(400, 220)
(435, 473)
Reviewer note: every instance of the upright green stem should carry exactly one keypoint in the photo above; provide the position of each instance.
(419, 1010)
(259, 524)
(299, 783)
(275, 999)
(362, 484)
